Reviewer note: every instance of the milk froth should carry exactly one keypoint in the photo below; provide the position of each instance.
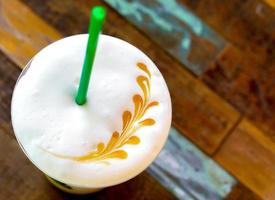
(115, 135)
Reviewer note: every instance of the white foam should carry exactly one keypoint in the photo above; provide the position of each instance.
(45, 115)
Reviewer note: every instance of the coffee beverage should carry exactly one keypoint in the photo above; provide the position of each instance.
(110, 139)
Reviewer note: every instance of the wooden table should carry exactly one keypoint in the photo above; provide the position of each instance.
(218, 58)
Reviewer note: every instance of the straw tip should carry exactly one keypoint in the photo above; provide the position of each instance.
(80, 101)
(99, 12)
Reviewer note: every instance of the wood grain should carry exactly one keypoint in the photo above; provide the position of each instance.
(173, 27)
(252, 29)
(22, 33)
(193, 103)
(254, 69)
(250, 156)
(246, 84)
(188, 172)
(7, 82)
(249, 25)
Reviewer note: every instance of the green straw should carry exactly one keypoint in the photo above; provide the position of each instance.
(96, 20)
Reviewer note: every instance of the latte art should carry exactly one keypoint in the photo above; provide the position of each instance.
(131, 123)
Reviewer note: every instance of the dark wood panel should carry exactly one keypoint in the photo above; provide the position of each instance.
(193, 103)
(249, 25)
(246, 84)
(8, 77)
(250, 156)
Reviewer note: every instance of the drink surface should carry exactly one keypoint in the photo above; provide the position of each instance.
(114, 136)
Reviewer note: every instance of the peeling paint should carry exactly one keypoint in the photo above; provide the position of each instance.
(138, 11)
(171, 24)
(189, 173)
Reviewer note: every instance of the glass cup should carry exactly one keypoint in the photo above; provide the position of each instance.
(80, 189)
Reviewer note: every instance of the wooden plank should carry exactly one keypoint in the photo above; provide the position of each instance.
(7, 82)
(22, 33)
(250, 156)
(193, 103)
(247, 24)
(240, 192)
(247, 84)
(173, 27)
(188, 172)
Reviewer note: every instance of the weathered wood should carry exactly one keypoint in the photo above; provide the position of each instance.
(247, 24)
(250, 156)
(8, 77)
(246, 84)
(22, 33)
(255, 40)
(175, 29)
(188, 172)
(193, 103)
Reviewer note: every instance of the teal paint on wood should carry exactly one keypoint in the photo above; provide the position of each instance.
(171, 25)
(188, 173)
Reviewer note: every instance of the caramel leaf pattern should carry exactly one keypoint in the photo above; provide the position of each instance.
(130, 124)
